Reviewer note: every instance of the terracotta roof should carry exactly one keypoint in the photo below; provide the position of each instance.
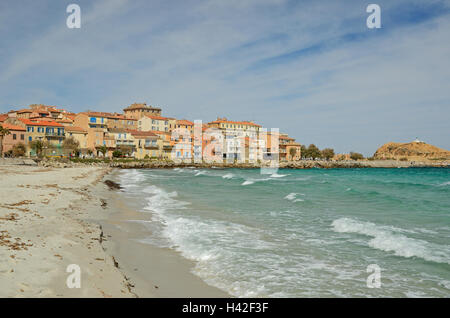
(142, 134)
(185, 122)
(3, 117)
(12, 127)
(158, 117)
(75, 129)
(21, 111)
(224, 121)
(64, 121)
(117, 130)
(71, 116)
(141, 106)
(156, 132)
(40, 123)
(286, 137)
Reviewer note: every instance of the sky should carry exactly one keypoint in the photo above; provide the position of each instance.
(310, 68)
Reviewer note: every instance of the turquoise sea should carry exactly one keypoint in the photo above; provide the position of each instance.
(302, 233)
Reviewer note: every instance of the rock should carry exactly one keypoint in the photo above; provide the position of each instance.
(412, 151)
(112, 185)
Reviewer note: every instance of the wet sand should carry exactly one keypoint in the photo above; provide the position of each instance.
(153, 271)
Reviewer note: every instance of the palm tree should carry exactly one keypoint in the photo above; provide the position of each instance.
(292, 153)
(103, 149)
(3, 132)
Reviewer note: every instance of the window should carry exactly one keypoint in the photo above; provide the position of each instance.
(93, 120)
(22, 137)
(14, 136)
(30, 138)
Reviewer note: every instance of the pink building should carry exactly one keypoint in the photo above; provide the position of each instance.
(16, 135)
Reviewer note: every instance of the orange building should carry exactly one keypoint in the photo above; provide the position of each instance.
(139, 110)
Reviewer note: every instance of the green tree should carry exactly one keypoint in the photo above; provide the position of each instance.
(3, 133)
(37, 145)
(71, 144)
(304, 152)
(19, 150)
(327, 153)
(356, 156)
(314, 152)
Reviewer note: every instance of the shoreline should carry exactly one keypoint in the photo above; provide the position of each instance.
(51, 218)
(153, 271)
(301, 164)
(151, 164)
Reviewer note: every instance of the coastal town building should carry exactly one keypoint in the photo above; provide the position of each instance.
(139, 110)
(141, 132)
(17, 134)
(155, 123)
(235, 133)
(183, 124)
(165, 145)
(47, 131)
(79, 134)
(289, 149)
(123, 140)
(146, 144)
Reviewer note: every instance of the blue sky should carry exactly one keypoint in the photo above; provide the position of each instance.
(311, 68)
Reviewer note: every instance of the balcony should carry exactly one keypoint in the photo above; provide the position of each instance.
(55, 134)
(150, 146)
(124, 143)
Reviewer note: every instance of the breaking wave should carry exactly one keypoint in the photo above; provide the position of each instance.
(386, 239)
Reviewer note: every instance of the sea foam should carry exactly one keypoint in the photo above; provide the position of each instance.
(293, 197)
(384, 238)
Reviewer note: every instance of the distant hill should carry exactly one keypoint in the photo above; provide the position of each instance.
(413, 151)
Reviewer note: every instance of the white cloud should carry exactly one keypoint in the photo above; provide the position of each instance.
(193, 58)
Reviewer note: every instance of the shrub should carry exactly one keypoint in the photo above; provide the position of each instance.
(19, 150)
(117, 154)
(356, 156)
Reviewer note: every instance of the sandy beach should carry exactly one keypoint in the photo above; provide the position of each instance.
(51, 218)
